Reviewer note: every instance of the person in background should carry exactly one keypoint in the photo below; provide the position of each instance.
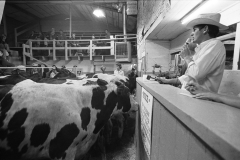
(107, 36)
(202, 93)
(74, 69)
(32, 36)
(4, 62)
(53, 72)
(34, 70)
(61, 36)
(74, 44)
(4, 47)
(45, 42)
(206, 62)
(45, 70)
(119, 70)
(52, 34)
(39, 37)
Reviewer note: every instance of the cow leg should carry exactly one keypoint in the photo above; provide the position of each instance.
(108, 131)
(120, 122)
(121, 126)
(101, 144)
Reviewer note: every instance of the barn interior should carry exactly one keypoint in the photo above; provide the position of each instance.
(149, 34)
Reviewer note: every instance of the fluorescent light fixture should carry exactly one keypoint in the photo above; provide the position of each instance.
(99, 13)
(192, 13)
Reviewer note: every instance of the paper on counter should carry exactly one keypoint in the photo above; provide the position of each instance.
(187, 94)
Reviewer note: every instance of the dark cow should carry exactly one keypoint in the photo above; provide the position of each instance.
(57, 121)
(129, 81)
(64, 74)
(11, 79)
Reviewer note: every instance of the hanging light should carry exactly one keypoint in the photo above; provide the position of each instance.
(99, 13)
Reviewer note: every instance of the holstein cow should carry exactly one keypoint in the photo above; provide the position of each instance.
(57, 121)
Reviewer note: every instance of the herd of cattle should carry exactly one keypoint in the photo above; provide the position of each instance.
(60, 118)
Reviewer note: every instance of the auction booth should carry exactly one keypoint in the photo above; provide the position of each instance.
(171, 125)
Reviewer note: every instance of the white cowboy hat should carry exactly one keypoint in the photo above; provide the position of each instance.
(208, 18)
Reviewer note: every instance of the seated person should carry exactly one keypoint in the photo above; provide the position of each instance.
(4, 62)
(61, 36)
(53, 72)
(93, 50)
(74, 44)
(45, 42)
(32, 36)
(39, 37)
(74, 69)
(201, 93)
(4, 47)
(35, 70)
(119, 70)
(45, 71)
(206, 62)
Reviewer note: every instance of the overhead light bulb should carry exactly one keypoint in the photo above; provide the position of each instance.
(99, 13)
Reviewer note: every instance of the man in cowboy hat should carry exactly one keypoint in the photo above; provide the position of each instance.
(206, 62)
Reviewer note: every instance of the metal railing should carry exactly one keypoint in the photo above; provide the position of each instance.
(28, 49)
(76, 72)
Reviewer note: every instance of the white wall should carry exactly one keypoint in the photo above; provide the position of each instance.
(157, 52)
(177, 43)
(231, 15)
(2, 4)
(230, 84)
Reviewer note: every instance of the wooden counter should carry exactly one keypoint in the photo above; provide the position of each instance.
(186, 128)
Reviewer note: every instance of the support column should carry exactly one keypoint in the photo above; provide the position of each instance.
(70, 21)
(5, 24)
(70, 27)
(236, 48)
(124, 21)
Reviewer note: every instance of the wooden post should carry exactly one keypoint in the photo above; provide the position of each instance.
(112, 46)
(15, 37)
(24, 57)
(66, 51)
(30, 45)
(54, 50)
(90, 48)
(236, 48)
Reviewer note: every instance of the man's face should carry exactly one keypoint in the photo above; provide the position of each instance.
(197, 35)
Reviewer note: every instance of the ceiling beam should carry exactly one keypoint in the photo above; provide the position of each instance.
(66, 2)
(24, 11)
(78, 12)
(103, 7)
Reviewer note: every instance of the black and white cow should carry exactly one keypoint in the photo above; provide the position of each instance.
(57, 121)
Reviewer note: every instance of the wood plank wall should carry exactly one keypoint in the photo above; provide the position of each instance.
(171, 139)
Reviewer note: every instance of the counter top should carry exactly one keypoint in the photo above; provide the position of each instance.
(218, 125)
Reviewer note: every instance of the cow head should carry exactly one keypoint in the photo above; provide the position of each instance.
(64, 73)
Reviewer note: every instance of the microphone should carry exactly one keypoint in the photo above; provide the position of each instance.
(189, 40)
(189, 45)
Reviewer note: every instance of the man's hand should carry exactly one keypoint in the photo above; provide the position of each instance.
(195, 88)
(161, 80)
(206, 96)
(186, 53)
